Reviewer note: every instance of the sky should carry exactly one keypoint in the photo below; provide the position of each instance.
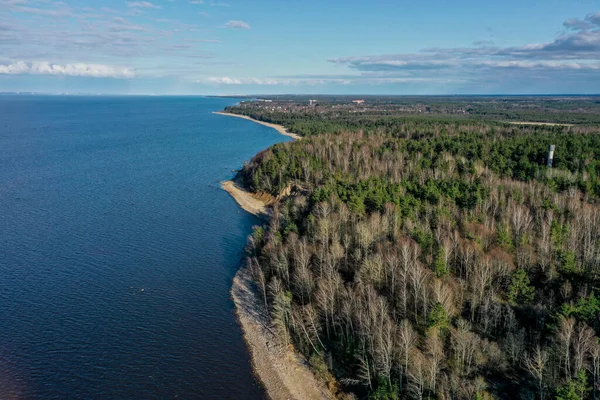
(229, 47)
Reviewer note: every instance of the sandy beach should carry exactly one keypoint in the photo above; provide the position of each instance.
(278, 128)
(283, 373)
(245, 199)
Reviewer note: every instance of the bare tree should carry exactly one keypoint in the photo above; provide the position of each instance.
(435, 357)
(480, 282)
(563, 339)
(408, 258)
(536, 364)
(282, 310)
(443, 293)
(259, 277)
(407, 340)
(514, 345)
(385, 342)
(595, 366)
(583, 340)
(417, 374)
(545, 240)
(302, 277)
(464, 345)
(326, 296)
(520, 219)
(419, 276)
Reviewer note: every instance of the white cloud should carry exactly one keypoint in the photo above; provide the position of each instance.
(233, 24)
(61, 10)
(121, 24)
(351, 80)
(226, 80)
(557, 65)
(78, 69)
(12, 2)
(141, 4)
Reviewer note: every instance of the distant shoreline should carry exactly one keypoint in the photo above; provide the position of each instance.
(279, 128)
(538, 123)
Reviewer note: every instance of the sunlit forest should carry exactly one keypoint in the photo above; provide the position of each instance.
(432, 256)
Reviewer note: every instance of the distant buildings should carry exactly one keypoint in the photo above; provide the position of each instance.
(358, 101)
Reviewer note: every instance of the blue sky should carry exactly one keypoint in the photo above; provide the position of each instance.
(293, 46)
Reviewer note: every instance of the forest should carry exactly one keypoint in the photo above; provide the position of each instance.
(578, 110)
(430, 256)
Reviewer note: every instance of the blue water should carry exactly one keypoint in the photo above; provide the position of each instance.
(118, 248)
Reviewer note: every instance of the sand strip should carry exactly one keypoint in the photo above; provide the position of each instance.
(284, 375)
(537, 123)
(245, 199)
(279, 128)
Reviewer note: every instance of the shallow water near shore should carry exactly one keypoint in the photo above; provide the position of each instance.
(118, 247)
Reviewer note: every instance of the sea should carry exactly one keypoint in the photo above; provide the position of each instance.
(118, 248)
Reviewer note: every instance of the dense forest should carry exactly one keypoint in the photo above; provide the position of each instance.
(432, 257)
(579, 110)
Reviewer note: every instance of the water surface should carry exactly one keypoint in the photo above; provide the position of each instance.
(117, 248)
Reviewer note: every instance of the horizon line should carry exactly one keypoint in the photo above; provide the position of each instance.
(297, 94)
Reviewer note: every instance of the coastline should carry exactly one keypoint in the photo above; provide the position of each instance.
(245, 199)
(279, 128)
(283, 373)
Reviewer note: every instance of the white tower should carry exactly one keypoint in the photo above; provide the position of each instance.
(550, 155)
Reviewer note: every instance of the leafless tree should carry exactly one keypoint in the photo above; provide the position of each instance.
(536, 363)
(464, 346)
(595, 366)
(326, 296)
(563, 339)
(520, 219)
(259, 277)
(480, 282)
(434, 350)
(583, 341)
(417, 373)
(419, 276)
(407, 340)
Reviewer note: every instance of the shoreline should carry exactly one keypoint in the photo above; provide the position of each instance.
(283, 373)
(279, 128)
(281, 370)
(245, 199)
